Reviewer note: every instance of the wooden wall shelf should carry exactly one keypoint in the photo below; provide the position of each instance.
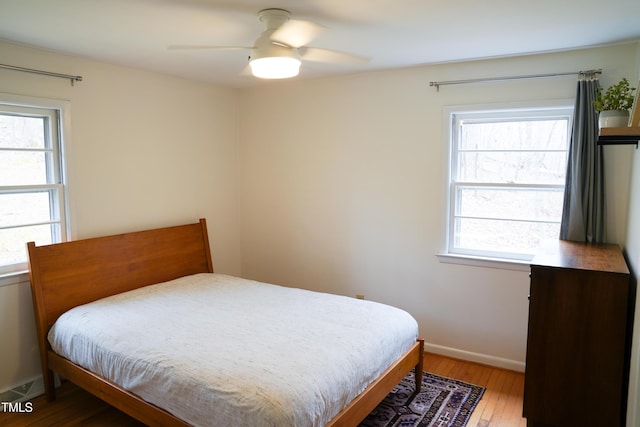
(619, 136)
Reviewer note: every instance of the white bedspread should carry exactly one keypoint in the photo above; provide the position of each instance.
(216, 350)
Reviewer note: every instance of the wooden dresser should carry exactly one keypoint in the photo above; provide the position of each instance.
(579, 340)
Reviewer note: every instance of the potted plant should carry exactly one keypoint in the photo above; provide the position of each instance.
(614, 104)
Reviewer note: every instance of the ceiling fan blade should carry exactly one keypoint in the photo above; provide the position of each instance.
(206, 47)
(333, 56)
(297, 33)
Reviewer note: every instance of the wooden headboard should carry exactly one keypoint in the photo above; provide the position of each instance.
(65, 275)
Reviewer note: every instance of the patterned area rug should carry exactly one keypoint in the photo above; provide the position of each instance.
(442, 402)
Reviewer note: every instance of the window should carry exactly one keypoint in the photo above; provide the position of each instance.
(32, 181)
(507, 177)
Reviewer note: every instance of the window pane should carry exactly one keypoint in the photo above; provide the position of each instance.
(502, 235)
(508, 174)
(13, 241)
(23, 167)
(22, 132)
(514, 135)
(512, 167)
(24, 208)
(31, 183)
(509, 203)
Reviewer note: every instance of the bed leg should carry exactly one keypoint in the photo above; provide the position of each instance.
(49, 385)
(419, 367)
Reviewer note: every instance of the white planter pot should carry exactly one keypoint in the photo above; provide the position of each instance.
(613, 118)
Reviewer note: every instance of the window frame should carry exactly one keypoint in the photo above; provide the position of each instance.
(58, 113)
(494, 259)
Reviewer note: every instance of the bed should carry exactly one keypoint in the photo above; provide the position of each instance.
(77, 285)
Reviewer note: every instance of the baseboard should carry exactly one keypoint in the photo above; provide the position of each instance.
(485, 359)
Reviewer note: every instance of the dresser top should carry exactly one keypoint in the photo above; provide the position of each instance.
(581, 256)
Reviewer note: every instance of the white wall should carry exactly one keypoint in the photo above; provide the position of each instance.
(146, 150)
(632, 245)
(633, 256)
(343, 190)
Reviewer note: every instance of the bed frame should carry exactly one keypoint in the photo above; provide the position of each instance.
(66, 275)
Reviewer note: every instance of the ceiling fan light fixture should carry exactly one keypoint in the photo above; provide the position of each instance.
(275, 67)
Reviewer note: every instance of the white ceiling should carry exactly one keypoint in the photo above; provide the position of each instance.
(394, 33)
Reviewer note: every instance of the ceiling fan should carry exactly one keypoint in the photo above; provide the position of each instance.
(277, 53)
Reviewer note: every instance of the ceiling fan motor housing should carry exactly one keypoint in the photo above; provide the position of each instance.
(265, 47)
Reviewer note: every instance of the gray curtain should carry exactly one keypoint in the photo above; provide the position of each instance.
(583, 214)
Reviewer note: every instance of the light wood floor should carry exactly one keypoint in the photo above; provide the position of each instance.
(501, 405)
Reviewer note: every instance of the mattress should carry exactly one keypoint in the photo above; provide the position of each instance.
(217, 350)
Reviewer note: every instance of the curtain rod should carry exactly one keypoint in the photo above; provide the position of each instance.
(71, 78)
(494, 79)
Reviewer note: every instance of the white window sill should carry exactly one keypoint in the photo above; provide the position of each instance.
(14, 278)
(475, 261)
